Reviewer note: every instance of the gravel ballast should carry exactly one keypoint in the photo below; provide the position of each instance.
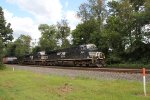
(83, 73)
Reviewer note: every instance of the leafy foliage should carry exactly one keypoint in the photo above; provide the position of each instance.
(83, 32)
(5, 34)
(22, 45)
(127, 19)
(1, 50)
(124, 29)
(5, 30)
(53, 36)
(93, 14)
(19, 47)
(63, 31)
(48, 38)
(36, 49)
(120, 29)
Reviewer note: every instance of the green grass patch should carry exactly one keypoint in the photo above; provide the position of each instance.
(23, 85)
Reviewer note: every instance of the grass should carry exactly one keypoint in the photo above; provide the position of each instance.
(23, 85)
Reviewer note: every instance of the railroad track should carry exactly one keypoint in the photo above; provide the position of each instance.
(116, 70)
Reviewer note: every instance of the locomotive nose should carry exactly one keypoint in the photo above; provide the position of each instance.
(99, 55)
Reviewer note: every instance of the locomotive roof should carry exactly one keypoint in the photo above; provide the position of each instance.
(58, 50)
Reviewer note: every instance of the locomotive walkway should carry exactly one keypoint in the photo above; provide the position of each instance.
(83, 73)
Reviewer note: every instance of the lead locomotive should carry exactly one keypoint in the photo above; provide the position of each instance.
(82, 55)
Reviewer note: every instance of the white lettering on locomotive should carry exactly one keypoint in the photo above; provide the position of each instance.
(62, 54)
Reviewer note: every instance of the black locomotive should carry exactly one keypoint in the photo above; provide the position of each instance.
(82, 55)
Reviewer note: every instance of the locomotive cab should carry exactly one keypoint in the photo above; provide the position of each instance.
(90, 51)
(88, 47)
(91, 47)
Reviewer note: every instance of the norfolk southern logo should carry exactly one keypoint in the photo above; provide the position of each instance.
(62, 54)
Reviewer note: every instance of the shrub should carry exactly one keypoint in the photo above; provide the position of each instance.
(2, 66)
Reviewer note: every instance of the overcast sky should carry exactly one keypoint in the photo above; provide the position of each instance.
(26, 15)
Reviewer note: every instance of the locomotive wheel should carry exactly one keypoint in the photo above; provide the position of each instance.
(75, 63)
(87, 65)
(80, 65)
(99, 65)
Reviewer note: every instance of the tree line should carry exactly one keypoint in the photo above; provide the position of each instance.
(52, 37)
(5, 34)
(120, 29)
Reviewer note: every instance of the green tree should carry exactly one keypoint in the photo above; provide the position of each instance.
(141, 17)
(63, 31)
(10, 49)
(5, 33)
(125, 26)
(93, 15)
(93, 9)
(84, 32)
(48, 39)
(119, 25)
(84, 12)
(5, 30)
(36, 49)
(1, 50)
(22, 45)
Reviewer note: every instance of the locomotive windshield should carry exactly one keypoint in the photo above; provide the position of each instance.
(91, 47)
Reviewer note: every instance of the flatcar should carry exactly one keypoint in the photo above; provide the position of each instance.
(82, 55)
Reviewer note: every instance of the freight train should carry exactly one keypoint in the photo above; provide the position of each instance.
(82, 55)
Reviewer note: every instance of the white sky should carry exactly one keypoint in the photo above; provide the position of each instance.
(26, 15)
(40, 12)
